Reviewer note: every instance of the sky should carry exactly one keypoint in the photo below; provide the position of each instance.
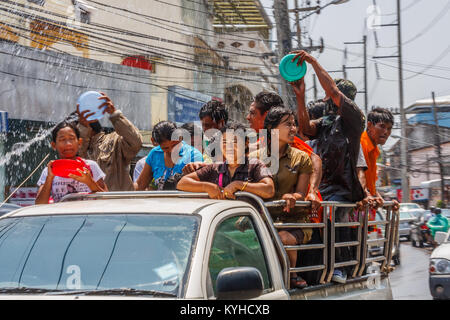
(425, 26)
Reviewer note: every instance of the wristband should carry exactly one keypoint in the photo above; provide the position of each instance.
(245, 184)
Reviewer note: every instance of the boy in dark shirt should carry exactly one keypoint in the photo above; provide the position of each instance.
(338, 135)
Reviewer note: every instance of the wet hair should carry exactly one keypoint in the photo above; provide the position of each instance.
(316, 110)
(382, 115)
(189, 127)
(96, 127)
(273, 119)
(214, 109)
(275, 115)
(232, 126)
(267, 100)
(62, 125)
(163, 131)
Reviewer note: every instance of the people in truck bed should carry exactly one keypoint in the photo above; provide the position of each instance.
(291, 176)
(165, 163)
(66, 141)
(338, 134)
(236, 172)
(113, 151)
(257, 113)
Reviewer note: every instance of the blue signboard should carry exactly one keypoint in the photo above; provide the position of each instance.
(183, 105)
(3, 121)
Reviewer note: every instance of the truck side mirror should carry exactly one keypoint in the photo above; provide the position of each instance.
(239, 283)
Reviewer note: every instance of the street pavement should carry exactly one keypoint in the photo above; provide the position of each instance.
(409, 281)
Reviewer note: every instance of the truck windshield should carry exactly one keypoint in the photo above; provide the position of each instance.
(147, 252)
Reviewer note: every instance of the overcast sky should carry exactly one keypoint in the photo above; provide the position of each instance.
(425, 34)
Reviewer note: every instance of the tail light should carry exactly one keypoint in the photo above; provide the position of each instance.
(380, 234)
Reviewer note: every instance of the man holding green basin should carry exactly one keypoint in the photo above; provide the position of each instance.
(336, 139)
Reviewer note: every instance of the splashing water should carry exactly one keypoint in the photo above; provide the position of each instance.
(24, 147)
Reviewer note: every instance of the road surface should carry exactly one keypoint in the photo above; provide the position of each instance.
(409, 281)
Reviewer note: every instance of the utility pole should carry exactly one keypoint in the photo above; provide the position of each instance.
(366, 93)
(438, 148)
(364, 43)
(281, 15)
(315, 87)
(403, 122)
(403, 142)
(297, 24)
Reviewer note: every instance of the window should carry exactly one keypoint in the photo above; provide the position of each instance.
(446, 169)
(39, 2)
(235, 248)
(84, 16)
(145, 252)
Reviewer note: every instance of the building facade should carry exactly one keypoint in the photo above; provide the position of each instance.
(154, 58)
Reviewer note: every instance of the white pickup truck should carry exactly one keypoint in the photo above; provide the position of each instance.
(175, 245)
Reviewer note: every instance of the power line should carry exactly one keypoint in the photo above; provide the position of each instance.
(167, 21)
(403, 10)
(433, 22)
(127, 32)
(162, 63)
(371, 58)
(439, 58)
(87, 69)
(166, 49)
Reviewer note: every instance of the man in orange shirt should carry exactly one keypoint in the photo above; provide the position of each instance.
(379, 126)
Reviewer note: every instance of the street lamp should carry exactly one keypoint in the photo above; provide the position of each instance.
(339, 1)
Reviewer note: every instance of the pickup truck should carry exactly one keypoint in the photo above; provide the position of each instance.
(175, 245)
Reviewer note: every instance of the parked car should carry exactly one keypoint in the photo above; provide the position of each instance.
(404, 228)
(446, 213)
(169, 245)
(413, 208)
(379, 233)
(8, 207)
(440, 268)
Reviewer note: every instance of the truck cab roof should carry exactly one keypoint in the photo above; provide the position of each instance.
(139, 206)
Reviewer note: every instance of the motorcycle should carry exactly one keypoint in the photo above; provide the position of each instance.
(420, 233)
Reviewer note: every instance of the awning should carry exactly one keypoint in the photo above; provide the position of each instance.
(249, 13)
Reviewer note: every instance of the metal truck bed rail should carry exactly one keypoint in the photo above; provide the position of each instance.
(361, 243)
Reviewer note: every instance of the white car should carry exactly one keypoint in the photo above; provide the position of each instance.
(413, 208)
(440, 267)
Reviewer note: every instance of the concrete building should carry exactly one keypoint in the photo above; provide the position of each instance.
(423, 166)
(196, 45)
(156, 59)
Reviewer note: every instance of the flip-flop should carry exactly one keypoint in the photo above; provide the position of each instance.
(298, 282)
